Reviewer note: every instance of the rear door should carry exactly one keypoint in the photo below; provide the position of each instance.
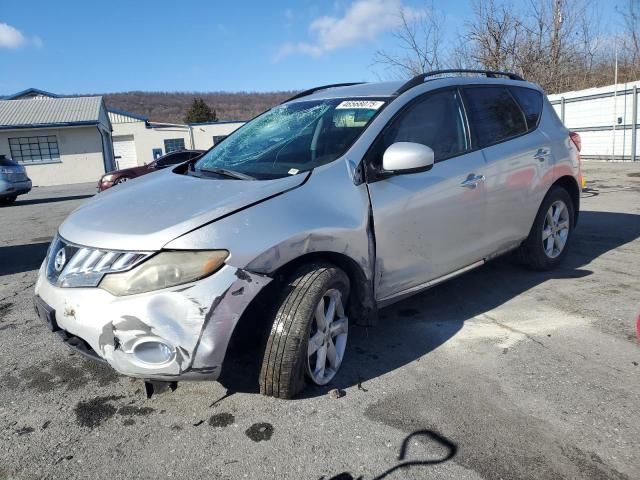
(503, 122)
(431, 223)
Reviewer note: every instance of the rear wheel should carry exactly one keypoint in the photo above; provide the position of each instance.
(548, 241)
(309, 331)
(8, 200)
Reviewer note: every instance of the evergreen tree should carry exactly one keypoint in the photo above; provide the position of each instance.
(200, 112)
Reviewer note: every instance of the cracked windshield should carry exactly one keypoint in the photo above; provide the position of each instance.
(292, 138)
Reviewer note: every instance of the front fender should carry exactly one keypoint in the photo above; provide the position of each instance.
(326, 214)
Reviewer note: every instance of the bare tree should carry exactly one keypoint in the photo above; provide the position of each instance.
(419, 43)
(630, 14)
(556, 43)
(492, 35)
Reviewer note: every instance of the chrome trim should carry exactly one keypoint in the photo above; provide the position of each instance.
(423, 286)
(86, 266)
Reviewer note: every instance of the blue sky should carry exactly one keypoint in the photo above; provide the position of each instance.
(197, 45)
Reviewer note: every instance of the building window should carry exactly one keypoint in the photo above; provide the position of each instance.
(218, 138)
(156, 153)
(41, 149)
(173, 144)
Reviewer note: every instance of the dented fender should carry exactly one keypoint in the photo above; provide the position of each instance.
(307, 220)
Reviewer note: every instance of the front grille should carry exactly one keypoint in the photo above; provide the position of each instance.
(70, 265)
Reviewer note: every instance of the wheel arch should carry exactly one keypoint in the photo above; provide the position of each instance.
(362, 306)
(253, 326)
(570, 184)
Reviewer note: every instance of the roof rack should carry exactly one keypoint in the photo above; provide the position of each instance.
(323, 87)
(420, 79)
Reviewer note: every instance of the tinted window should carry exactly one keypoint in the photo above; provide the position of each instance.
(173, 159)
(530, 102)
(5, 162)
(435, 120)
(493, 114)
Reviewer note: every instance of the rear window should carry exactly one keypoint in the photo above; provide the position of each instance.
(5, 162)
(531, 103)
(493, 114)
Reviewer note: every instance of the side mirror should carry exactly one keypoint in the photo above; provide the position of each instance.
(407, 157)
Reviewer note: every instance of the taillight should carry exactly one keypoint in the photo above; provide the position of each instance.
(577, 141)
(575, 138)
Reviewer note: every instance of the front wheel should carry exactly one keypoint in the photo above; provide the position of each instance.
(548, 240)
(309, 332)
(7, 200)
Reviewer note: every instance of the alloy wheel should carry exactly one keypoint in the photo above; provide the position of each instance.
(328, 338)
(555, 230)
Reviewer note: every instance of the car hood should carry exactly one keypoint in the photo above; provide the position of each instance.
(130, 171)
(148, 212)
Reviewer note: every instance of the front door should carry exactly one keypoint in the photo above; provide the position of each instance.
(431, 223)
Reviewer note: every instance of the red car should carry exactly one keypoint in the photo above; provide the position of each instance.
(116, 177)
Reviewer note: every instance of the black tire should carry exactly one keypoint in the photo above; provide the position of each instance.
(7, 200)
(282, 374)
(532, 253)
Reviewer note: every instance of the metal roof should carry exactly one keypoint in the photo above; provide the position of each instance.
(31, 91)
(50, 112)
(124, 113)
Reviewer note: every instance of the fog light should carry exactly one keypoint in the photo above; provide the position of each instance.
(153, 352)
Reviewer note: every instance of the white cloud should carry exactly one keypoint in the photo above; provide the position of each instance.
(363, 21)
(11, 37)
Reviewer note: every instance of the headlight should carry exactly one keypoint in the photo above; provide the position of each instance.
(108, 178)
(166, 269)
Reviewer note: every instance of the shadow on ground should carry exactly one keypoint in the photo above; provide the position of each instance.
(36, 201)
(439, 450)
(22, 258)
(416, 326)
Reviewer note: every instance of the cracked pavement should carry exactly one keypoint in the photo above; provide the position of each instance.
(499, 373)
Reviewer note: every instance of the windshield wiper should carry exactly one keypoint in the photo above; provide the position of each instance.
(228, 173)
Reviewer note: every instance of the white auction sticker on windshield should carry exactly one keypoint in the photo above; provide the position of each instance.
(368, 104)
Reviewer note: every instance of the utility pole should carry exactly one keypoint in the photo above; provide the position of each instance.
(615, 102)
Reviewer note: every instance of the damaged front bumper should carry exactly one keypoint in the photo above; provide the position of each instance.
(179, 333)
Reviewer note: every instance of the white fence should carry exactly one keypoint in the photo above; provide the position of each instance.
(606, 118)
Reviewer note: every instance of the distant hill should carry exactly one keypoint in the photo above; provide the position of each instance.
(171, 107)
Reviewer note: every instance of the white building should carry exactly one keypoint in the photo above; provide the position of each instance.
(59, 140)
(607, 119)
(63, 140)
(137, 141)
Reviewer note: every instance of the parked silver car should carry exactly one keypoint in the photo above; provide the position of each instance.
(13, 180)
(312, 216)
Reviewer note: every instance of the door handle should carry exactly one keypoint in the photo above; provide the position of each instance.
(541, 155)
(472, 180)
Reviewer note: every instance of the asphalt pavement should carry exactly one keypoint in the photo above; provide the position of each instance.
(502, 373)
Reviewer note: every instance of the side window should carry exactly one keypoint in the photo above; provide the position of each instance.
(435, 120)
(530, 102)
(493, 115)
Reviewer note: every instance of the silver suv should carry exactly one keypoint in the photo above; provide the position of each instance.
(312, 216)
